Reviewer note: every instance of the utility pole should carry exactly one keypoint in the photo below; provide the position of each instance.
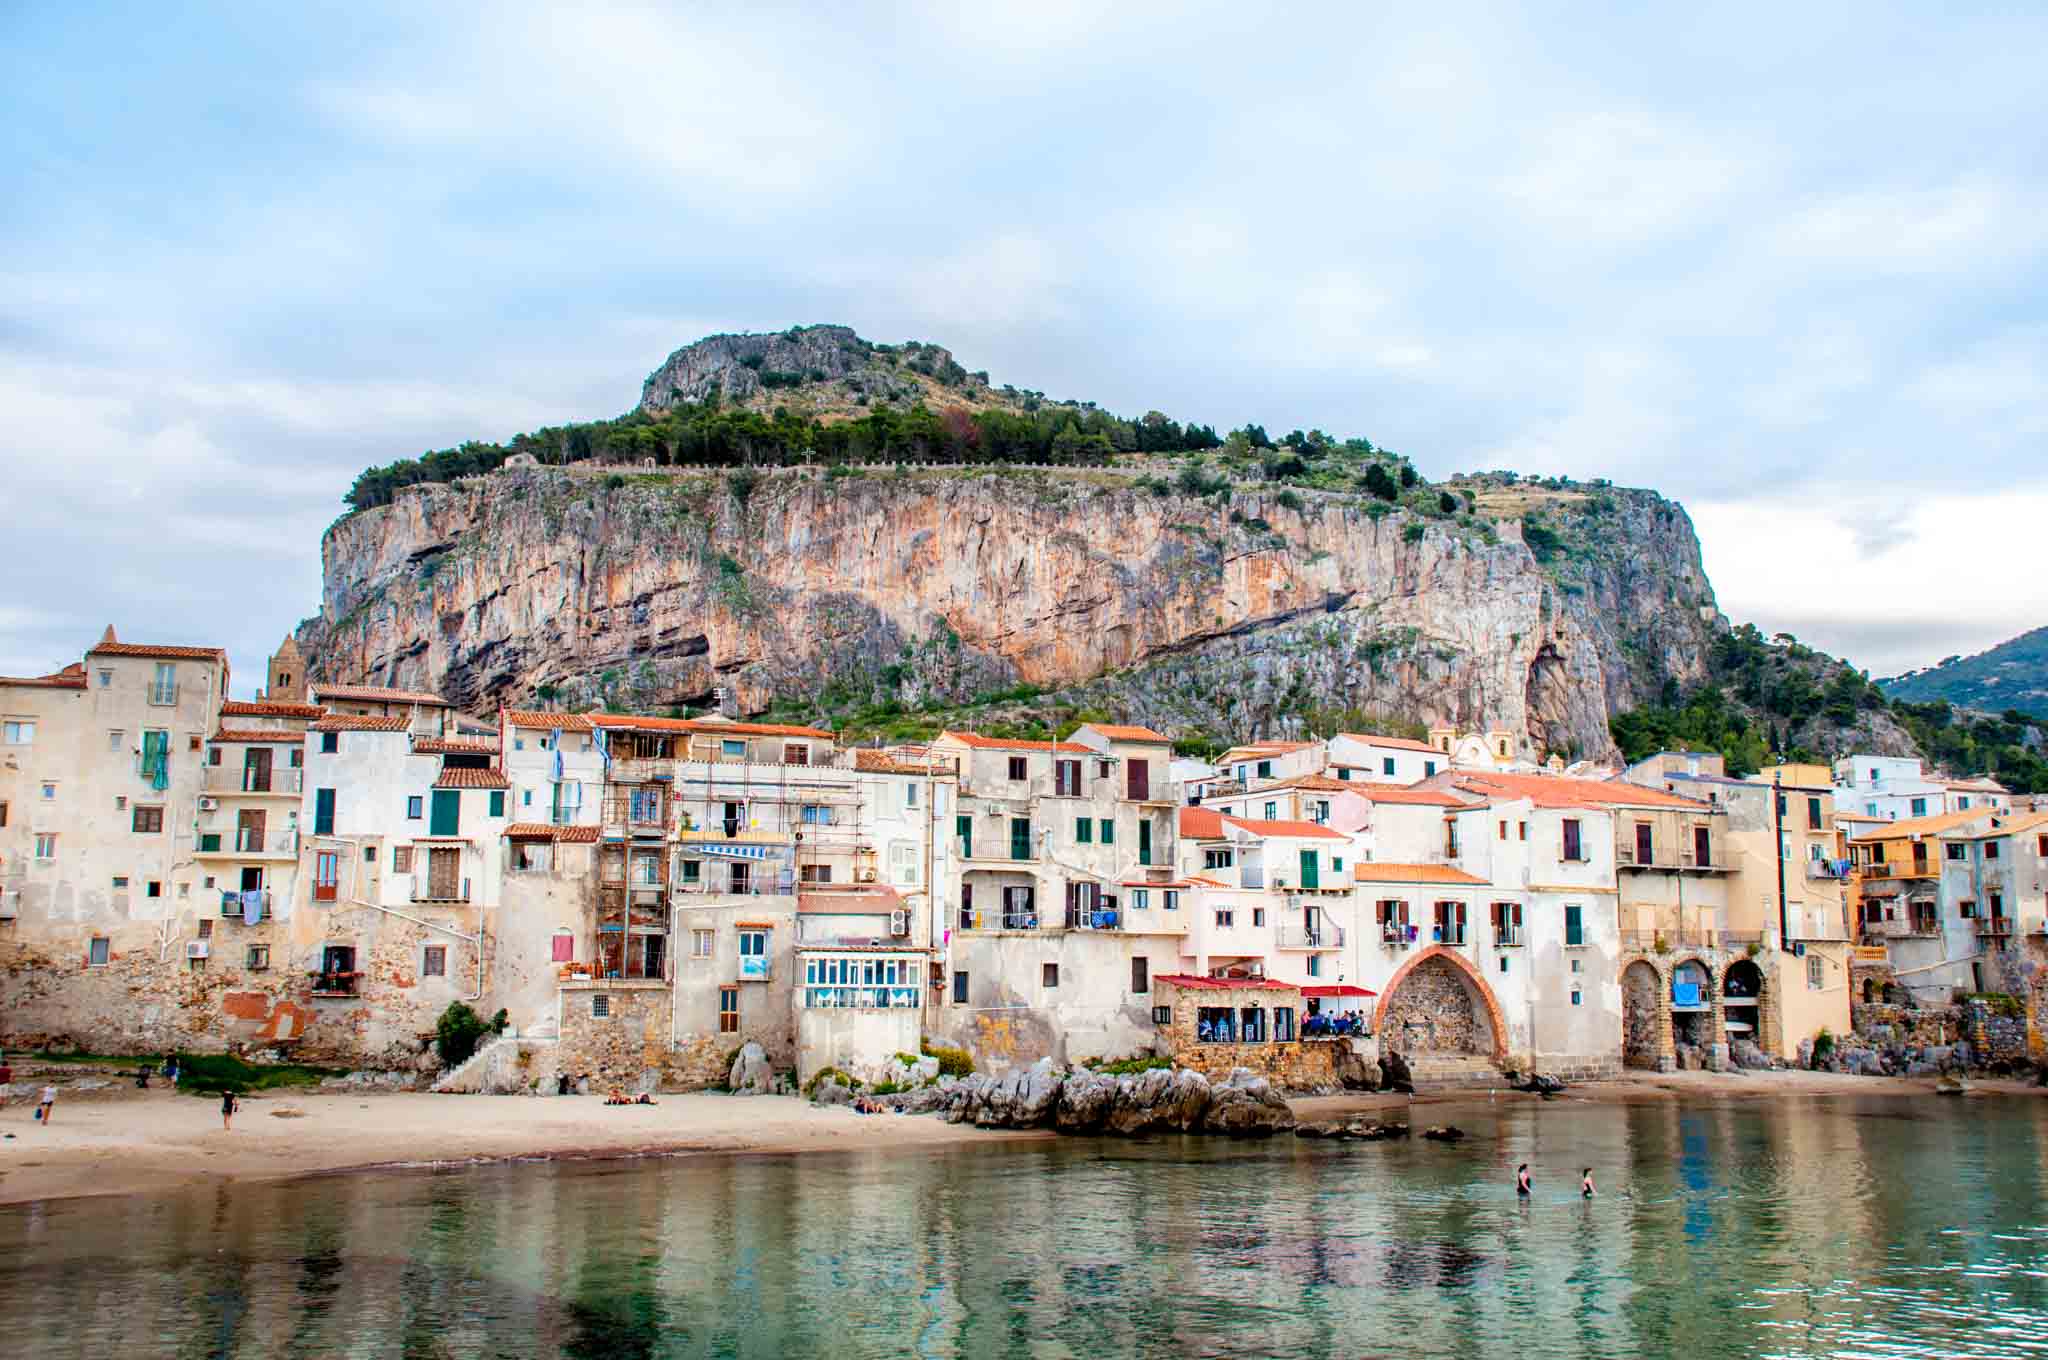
(1778, 849)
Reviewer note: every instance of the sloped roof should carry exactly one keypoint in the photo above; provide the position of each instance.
(453, 746)
(1397, 743)
(981, 743)
(268, 708)
(544, 831)
(270, 734)
(1563, 791)
(1254, 750)
(1415, 873)
(472, 779)
(356, 722)
(1285, 828)
(1116, 732)
(1200, 823)
(547, 722)
(161, 651)
(378, 694)
(871, 761)
(1195, 982)
(1314, 783)
(1408, 793)
(1928, 826)
(71, 677)
(646, 723)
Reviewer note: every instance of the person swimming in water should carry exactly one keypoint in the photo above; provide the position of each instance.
(1522, 1179)
(1586, 1184)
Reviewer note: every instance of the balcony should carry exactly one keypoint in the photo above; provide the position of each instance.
(639, 769)
(164, 696)
(1994, 926)
(337, 984)
(1401, 936)
(1919, 868)
(1918, 928)
(244, 779)
(1449, 933)
(1310, 937)
(248, 844)
(425, 890)
(755, 968)
(1665, 941)
(1507, 937)
(234, 906)
(724, 885)
(1820, 870)
(1625, 857)
(1022, 920)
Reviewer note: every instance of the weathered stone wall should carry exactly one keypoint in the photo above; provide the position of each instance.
(1906, 1025)
(1303, 1065)
(1432, 1010)
(628, 1046)
(1645, 1016)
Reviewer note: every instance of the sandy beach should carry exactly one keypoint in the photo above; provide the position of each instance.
(122, 1141)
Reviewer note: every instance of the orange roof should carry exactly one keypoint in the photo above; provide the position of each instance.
(981, 743)
(1927, 826)
(548, 722)
(1254, 750)
(640, 722)
(1201, 823)
(354, 722)
(472, 779)
(71, 677)
(1414, 873)
(162, 652)
(872, 761)
(1285, 828)
(268, 708)
(378, 694)
(259, 734)
(1206, 881)
(1315, 783)
(1408, 793)
(752, 729)
(543, 831)
(1195, 983)
(1397, 743)
(1116, 733)
(453, 746)
(1561, 791)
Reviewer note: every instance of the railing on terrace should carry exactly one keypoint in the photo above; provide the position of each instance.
(244, 779)
(1448, 933)
(235, 906)
(1918, 868)
(425, 889)
(337, 984)
(1994, 925)
(1398, 936)
(1664, 941)
(1823, 869)
(1507, 937)
(1011, 920)
(1310, 937)
(753, 885)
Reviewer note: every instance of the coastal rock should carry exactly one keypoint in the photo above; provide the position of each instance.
(1374, 1131)
(1748, 1055)
(1355, 1071)
(1951, 1086)
(1245, 1105)
(1086, 1099)
(832, 1092)
(1036, 1095)
(1394, 1073)
(1444, 1133)
(751, 1075)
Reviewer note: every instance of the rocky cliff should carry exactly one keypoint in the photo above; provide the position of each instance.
(1238, 612)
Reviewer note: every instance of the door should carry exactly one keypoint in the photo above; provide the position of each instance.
(326, 875)
(447, 813)
(1020, 838)
(963, 827)
(252, 879)
(323, 812)
(249, 828)
(1310, 875)
(1140, 780)
(1645, 848)
(1145, 841)
(1702, 848)
(444, 865)
(256, 770)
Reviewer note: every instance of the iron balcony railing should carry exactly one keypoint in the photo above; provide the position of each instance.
(1507, 937)
(1310, 937)
(425, 889)
(248, 779)
(1447, 933)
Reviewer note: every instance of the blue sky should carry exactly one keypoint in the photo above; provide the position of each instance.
(1782, 263)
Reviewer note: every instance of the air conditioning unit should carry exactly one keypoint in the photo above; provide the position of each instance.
(198, 949)
(899, 923)
(864, 876)
(209, 804)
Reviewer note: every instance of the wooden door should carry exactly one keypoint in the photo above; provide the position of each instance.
(443, 869)
(256, 770)
(326, 875)
(249, 829)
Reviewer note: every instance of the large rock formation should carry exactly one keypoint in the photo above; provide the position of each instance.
(1237, 612)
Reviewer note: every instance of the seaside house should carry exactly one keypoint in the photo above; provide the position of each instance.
(1918, 891)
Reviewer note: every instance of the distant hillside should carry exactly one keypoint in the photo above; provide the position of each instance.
(2012, 675)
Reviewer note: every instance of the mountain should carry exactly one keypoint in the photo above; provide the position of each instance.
(2012, 675)
(810, 525)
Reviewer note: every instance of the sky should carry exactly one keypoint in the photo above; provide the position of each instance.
(1782, 263)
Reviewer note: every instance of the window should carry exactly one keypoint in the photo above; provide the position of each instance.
(298, 760)
(1573, 851)
(1224, 918)
(98, 952)
(1265, 769)
(1106, 830)
(1283, 1024)
(49, 791)
(1258, 916)
(1816, 976)
(1144, 842)
(1066, 778)
(693, 871)
(1813, 814)
(1172, 896)
(959, 989)
(401, 859)
(497, 802)
(1218, 859)
(1578, 997)
(257, 958)
(600, 1006)
(1954, 850)
(1503, 829)
(1138, 780)
(1574, 925)
(1020, 838)
(1139, 898)
(817, 873)
(728, 1010)
(1315, 965)
(147, 820)
(46, 846)
(3, 816)
(795, 753)
(1272, 812)
(153, 888)
(1344, 773)
(1050, 975)
(563, 948)
(700, 943)
(1019, 769)
(2040, 846)
(733, 748)
(323, 812)
(1991, 849)
(1084, 830)
(163, 688)
(115, 740)
(963, 828)
(903, 862)
(1162, 1015)
(1386, 765)
(120, 883)
(19, 732)
(330, 742)
(1141, 977)
(106, 679)
(1428, 768)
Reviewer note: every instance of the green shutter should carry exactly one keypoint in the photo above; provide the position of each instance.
(963, 827)
(497, 802)
(209, 840)
(1310, 878)
(323, 812)
(1108, 828)
(447, 818)
(1574, 928)
(1144, 842)
(1020, 838)
(1084, 829)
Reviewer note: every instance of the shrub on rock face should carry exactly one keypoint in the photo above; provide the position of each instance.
(460, 1030)
(953, 1062)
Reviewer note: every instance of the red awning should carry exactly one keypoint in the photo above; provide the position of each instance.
(1344, 989)
(1195, 982)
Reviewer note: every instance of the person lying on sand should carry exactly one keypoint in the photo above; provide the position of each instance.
(645, 1099)
(617, 1097)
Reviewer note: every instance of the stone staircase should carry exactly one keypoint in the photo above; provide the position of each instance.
(504, 1065)
(1453, 1072)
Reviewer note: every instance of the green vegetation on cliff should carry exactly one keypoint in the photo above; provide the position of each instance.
(2014, 674)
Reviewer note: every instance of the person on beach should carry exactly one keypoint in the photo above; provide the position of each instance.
(1522, 1186)
(228, 1106)
(1586, 1183)
(6, 1082)
(47, 1104)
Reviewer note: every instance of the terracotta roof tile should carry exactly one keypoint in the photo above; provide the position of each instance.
(162, 652)
(1314, 783)
(1116, 732)
(981, 743)
(1561, 791)
(1927, 826)
(71, 677)
(1286, 828)
(271, 734)
(646, 723)
(268, 708)
(1403, 793)
(1200, 823)
(1392, 743)
(547, 722)
(1193, 982)
(1338, 989)
(872, 761)
(355, 722)
(753, 729)
(493, 778)
(1415, 873)
(378, 694)
(544, 831)
(453, 746)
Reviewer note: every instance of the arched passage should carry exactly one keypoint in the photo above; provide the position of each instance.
(1642, 1030)
(1438, 1003)
(1742, 995)
(1692, 1009)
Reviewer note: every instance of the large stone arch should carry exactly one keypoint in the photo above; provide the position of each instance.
(1422, 977)
(1644, 1037)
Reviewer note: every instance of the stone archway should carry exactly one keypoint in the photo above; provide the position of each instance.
(1744, 1002)
(1643, 1038)
(1437, 1002)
